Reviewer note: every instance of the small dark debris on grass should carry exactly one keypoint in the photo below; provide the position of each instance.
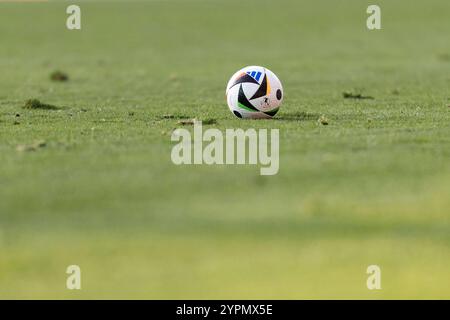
(31, 147)
(209, 121)
(36, 104)
(351, 95)
(395, 92)
(131, 113)
(16, 119)
(187, 122)
(172, 116)
(323, 120)
(59, 76)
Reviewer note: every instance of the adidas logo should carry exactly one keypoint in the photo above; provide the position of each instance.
(255, 75)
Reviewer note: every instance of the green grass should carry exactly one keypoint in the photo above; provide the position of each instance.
(100, 191)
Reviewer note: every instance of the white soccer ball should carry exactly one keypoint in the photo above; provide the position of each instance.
(254, 93)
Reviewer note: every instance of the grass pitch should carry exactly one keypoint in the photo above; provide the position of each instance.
(90, 181)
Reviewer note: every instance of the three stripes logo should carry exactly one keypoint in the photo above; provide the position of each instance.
(255, 75)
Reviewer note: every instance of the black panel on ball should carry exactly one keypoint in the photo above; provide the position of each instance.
(237, 114)
(279, 94)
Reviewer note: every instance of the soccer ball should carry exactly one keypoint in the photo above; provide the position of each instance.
(254, 93)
